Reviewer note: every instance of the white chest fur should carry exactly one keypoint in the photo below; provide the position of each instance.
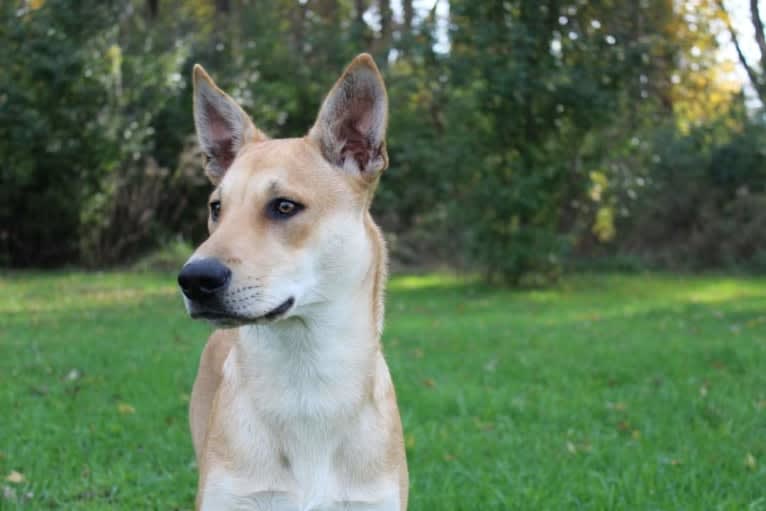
(302, 427)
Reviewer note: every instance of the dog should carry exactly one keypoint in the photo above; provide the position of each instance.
(293, 407)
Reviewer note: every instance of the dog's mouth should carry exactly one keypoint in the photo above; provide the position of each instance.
(226, 319)
(280, 310)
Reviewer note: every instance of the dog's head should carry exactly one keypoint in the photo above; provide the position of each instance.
(288, 217)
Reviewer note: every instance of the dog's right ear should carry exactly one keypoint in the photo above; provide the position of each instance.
(222, 126)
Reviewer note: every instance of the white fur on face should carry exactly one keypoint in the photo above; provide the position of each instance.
(331, 266)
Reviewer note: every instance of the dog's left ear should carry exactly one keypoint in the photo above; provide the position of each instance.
(351, 126)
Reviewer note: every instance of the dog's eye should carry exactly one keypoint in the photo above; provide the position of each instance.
(215, 210)
(283, 208)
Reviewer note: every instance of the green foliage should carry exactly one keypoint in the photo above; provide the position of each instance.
(703, 202)
(604, 392)
(53, 138)
(521, 115)
(521, 132)
(77, 128)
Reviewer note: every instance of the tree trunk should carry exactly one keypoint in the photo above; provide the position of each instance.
(383, 43)
(409, 15)
(328, 10)
(297, 25)
(222, 6)
(755, 79)
(360, 26)
(152, 9)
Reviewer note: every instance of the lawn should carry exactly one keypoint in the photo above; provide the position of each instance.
(642, 392)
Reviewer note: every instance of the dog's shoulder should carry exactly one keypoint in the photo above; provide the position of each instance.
(217, 349)
(206, 384)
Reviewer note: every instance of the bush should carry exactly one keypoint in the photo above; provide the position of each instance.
(53, 136)
(76, 132)
(168, 257)
(705, 204)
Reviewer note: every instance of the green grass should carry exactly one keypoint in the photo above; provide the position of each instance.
(607, 392)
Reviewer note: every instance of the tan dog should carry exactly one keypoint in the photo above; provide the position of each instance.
(293, 408)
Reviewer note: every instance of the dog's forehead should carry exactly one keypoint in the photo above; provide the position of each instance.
(281, 163)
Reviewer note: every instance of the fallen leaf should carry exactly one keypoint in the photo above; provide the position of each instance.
(125, 409)
(429, 382)
(750, 461)
(15, 477)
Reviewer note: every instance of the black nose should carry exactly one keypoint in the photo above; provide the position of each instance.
(203, 278)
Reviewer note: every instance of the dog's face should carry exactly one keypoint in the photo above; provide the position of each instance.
(287, 216)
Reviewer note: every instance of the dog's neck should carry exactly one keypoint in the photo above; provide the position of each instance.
(322, 363)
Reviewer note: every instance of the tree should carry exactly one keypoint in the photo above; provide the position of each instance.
(757, 77)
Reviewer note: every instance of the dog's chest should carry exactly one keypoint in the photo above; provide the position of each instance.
(286, 454)
(298, 471)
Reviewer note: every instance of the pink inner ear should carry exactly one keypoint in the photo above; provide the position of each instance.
(221, 137)
(357, 146)
(355, 131)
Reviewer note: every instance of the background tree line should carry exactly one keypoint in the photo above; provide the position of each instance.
(525, 136)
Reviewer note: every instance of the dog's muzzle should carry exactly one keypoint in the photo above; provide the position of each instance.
(204, 283)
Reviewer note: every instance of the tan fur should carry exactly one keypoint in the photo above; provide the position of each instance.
(249, 441)
(206, 384)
